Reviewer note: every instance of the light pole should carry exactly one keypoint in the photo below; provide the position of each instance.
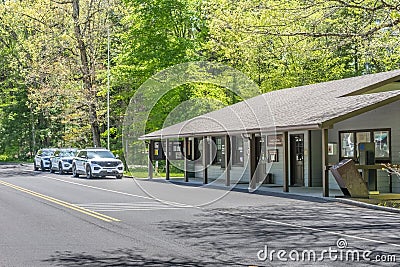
(108, 88)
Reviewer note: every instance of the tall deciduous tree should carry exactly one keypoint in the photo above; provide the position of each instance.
(88, 58)
(284, 43)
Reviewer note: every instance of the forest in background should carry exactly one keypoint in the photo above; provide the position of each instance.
(54, 57)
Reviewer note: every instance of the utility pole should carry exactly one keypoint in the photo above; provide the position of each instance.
(108, 88)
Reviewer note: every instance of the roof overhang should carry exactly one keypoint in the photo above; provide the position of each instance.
(316, 126)
(331, 122)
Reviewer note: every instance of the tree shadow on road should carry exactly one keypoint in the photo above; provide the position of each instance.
(17, 169)
(234, 236)
(125, 257)
(238, 234)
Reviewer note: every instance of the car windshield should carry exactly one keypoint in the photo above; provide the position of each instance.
(67, 154)
(100, 154)
(47, 153)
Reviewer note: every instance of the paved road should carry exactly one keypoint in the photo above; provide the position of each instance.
(52, 220)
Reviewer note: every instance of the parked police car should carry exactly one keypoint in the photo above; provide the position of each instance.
(61, 161)
(42, 159)
(97, 162)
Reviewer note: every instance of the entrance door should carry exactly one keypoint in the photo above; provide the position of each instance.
(257, 164)
(260, 159)
(297, 159)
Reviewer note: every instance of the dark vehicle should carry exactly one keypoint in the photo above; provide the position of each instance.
(61, 161)
(42, 159)
(97, 162)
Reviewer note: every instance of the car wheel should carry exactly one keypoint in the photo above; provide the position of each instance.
(119, 176)
(42, 166)
(60, 169)
(89, 172)
(51, 168)
(74, 172)
(35, 168)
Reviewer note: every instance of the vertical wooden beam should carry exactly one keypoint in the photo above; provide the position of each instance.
(325, 170)
(167, 163)
(309, 155)
(253, 162)
(228, 160)
(186, 158)
(150, 166)
(206, 155)
(285, 162)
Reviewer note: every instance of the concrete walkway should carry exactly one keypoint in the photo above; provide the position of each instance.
(273, 188)
(305, 193)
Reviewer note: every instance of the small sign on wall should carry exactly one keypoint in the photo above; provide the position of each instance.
(157, 151)
(332, 149)
(275, 140)
(273, 155)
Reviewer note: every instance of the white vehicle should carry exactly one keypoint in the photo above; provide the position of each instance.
(61, 161)
(97, 162)
(42, 159)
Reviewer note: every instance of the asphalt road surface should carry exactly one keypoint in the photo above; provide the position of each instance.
(57, 220)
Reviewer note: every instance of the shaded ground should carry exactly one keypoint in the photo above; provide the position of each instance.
(229, 232)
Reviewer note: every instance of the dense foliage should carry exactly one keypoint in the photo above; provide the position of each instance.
(53, 56)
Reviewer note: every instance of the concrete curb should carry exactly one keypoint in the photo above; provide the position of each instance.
(365, 205)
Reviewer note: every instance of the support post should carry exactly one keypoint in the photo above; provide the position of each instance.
(186, 158)
(150, 166)
(228, 160)
(285, 162)
(310, 154)
(253, 162)
(206, 155)
(325, 170)
(167, 164)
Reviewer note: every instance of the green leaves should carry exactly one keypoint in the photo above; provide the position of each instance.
(48, 98)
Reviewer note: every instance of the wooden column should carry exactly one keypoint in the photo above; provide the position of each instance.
(206, 156)
(150, 166)
(253, 162)
(285, 162)
(186, 159)
(228, 160)
(167, 163)
(309, 154)
(325, 167)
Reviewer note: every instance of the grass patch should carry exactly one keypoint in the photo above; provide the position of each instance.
(379, 202)
(143, 173)
(390, 204)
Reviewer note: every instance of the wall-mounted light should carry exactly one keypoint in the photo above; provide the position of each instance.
(246, 136)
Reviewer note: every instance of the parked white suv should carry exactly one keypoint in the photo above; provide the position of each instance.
(97, 162)
(42, 159)
(61, 161)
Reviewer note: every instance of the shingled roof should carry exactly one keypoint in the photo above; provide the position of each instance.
(312, 106)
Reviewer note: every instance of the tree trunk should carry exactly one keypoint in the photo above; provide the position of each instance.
(87, 79)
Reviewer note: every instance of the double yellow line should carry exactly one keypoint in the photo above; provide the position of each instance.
(62, 203)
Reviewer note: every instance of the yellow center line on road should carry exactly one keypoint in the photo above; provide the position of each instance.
(62, 203)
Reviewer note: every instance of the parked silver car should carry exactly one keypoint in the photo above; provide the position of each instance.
(61, 161)
(97, 162)
(42, 159)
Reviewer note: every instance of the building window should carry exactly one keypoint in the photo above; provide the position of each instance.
(349, 141)
(347, 145)
(382, 145)
(237, 151)
(217, 147)
(175, 150)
